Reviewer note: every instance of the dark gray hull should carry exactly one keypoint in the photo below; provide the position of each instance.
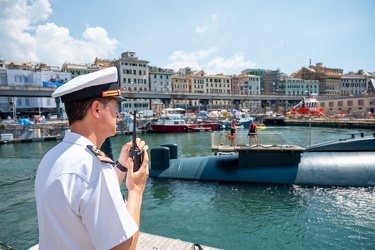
(342, 163)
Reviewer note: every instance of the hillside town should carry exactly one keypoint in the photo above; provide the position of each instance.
(350, 93)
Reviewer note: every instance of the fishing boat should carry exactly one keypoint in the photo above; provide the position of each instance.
(243, 119)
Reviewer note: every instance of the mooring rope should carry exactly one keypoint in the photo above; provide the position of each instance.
(6, 247)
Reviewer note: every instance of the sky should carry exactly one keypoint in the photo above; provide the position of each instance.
(217, 36)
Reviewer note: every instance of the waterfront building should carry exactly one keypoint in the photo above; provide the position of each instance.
(273, 82)
(30, 106)
(197, 80)
(257, 72)
(4, 100)
(11, 65)
(356, 106)
(235, 82)
(219, 84)
(181, 81)
(78, 69)
(103, 63)
(353, 84)
(31, 75)
(294, 86)
(329, 78)
(160, 81)
(249, 85)
(133, 77)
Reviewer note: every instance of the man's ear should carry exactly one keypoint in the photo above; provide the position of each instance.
(95, 108)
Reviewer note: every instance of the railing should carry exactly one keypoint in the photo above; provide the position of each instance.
(34, 91)
(241, 138)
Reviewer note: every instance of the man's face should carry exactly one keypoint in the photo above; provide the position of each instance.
(109, 117)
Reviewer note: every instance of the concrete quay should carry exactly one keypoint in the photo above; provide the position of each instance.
(50, 131)
(368, 123)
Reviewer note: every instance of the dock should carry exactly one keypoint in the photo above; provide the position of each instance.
(225, 149)
(329, 122)
(266, 141)
(270, 149)
(148, 241)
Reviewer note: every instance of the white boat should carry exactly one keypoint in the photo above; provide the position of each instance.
(172, 113)
(244, 119)
(170, 125)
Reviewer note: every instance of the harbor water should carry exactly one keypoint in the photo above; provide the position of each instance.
(222, 215)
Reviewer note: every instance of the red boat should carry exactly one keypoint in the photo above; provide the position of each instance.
(211, 125)
(308, 106)
(198, 128)
(176, 125)
(167, 125)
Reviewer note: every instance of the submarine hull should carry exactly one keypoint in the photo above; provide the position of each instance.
(314, 169)
(346, 162)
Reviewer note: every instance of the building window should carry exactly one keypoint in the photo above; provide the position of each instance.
(361, 102)
(350, 103)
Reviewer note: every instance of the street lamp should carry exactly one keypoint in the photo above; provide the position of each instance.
(39, 106)
(14, 109)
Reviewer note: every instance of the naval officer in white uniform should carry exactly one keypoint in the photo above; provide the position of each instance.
(77, 187)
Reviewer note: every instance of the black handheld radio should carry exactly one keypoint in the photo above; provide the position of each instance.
(135, 153)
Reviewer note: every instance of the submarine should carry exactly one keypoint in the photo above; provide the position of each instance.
(346, 162)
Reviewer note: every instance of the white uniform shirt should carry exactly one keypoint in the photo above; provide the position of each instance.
(79, 202)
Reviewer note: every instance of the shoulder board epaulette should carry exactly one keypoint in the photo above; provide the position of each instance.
(100, 154)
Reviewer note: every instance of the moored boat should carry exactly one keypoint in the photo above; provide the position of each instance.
(243, 119)
(198, 128)
(308, 106)
(208, 124)
(261, 126)
(167, 125)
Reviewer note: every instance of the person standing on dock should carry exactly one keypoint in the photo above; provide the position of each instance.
(233, 129)
(77, 186)
(253, 133)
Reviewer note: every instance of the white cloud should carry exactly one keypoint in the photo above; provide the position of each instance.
(202, 60)
(25, 36)
(233, 65)
(201, 29)
(181, 59)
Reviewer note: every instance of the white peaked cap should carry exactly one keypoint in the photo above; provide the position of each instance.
(102, 83)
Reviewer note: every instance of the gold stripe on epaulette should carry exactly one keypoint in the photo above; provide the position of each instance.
(100, 154)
